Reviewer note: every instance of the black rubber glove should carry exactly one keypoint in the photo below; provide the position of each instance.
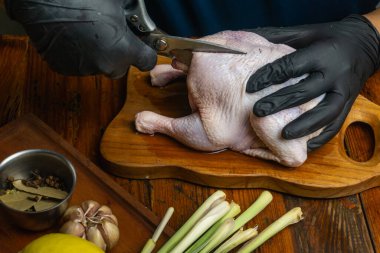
(339, 57)
(82, 37)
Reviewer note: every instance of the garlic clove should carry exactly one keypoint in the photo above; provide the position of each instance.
(93, 222)
(73, 228)
(94, 235)
(104, 210)
(90, 207)
(111, 218)
(110, 233)
(74, 213)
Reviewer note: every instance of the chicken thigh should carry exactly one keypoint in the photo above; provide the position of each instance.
(222, 116)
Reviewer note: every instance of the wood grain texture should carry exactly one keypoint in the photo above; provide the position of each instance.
(370, 199)
(103, 189)
(324, 228)
(70, 103)
(15, 48)
(133, 155)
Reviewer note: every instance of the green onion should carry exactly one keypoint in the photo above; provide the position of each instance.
(151, 243)
(149, 246)
(291, 217)
(240, 237)
(220, 235)
(203, 241)
(262, 201)
(212, 223)
(201, 226)
(217, 197)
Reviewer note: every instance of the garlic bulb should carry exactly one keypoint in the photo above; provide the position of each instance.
(93, 222)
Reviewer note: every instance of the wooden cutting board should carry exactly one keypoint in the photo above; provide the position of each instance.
(327, 173)
(136, 222)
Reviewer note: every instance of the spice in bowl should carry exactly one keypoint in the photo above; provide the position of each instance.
(36, 187)
(34, 194)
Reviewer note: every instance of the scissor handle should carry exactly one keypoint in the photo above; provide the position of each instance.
(139, 17)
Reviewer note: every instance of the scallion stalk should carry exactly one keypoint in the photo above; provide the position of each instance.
(203, 241)
(220, 235)
(151, 243)
(291, 217)
(201, 226)
(173, 241)
(240, 237)
(261, 202)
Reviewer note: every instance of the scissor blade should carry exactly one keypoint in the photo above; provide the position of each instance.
(183, 48)
(176, 43)
(165, 44)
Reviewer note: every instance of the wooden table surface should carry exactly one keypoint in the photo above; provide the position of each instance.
(79, 109)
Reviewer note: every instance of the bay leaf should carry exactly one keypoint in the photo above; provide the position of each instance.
(44, 204)
(18, 200)
(43, 191)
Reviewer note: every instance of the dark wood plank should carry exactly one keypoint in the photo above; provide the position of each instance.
(330, 225)
(77, 108)
(13, 63)
(371, 202)
(370, 199)
(335, 225)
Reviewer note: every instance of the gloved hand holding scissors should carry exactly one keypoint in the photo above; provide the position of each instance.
(339, 57)
(83, 37)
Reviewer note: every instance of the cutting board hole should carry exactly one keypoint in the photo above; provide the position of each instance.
(359, 141)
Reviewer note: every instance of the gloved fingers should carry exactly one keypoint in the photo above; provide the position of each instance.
(129, 50)
(323, 114)
(329, 132)
(289, 66)
(143, 56)
(291, 96)
(292, 36)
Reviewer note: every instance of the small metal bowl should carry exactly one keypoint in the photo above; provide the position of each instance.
(20, 166)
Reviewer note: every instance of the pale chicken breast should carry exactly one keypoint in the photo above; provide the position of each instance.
(222, 116)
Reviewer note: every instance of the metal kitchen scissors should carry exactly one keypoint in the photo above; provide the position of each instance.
(167, 45)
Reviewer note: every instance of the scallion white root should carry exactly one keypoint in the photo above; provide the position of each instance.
(201, 226)
(149, 246)
(291, 217)
(151, 243)
(216, 197)
(204, 240)
(220, 235)
(240, 237)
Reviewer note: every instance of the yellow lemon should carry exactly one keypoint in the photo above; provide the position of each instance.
(61, 243)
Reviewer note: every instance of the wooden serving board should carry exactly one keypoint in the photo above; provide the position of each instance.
(328, 172)
(136, 222)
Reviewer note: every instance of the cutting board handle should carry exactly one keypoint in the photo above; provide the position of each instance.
(366, 112)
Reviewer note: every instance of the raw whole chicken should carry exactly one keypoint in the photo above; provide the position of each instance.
(222, 116)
